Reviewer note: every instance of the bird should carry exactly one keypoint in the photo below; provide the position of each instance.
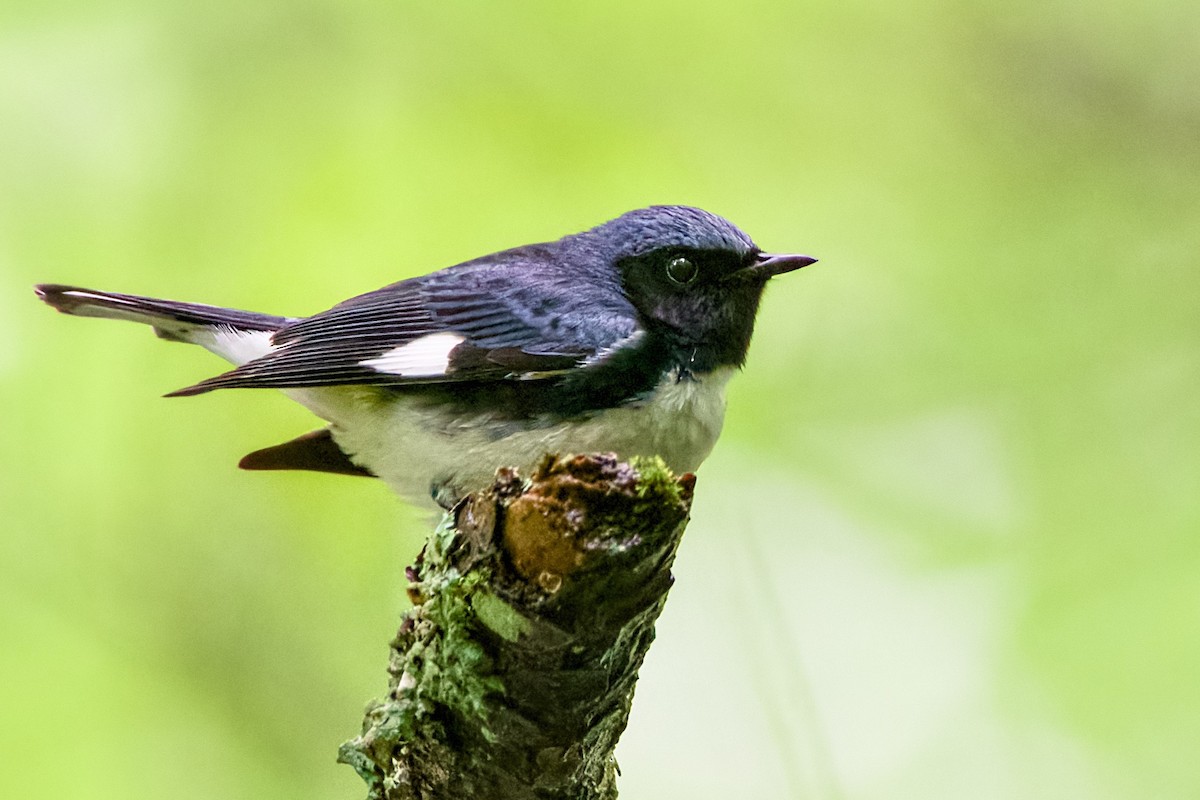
(617, 339)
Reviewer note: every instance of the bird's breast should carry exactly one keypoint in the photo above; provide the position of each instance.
(414, 445)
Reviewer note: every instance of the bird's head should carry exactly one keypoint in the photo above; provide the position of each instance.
(694, 277)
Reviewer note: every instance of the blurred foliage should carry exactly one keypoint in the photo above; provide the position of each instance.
(949, 544)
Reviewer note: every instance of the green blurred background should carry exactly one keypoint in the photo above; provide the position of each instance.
(949, 544)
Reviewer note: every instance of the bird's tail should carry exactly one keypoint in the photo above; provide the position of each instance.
(237, 336)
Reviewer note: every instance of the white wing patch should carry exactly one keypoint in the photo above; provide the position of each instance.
(426, 357)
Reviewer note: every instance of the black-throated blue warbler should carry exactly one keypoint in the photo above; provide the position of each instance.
(620, 338)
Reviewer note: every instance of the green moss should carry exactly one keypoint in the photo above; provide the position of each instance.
(655, 479)
(451, 670)
(437, 662)
(498, 616)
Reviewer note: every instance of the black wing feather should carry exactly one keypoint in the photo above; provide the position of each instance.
(513, 325)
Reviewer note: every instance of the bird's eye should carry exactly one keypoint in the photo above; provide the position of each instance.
(681, 270)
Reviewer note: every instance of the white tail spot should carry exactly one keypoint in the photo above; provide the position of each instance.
(235, 345)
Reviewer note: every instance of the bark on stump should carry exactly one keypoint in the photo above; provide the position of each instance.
(534, 604)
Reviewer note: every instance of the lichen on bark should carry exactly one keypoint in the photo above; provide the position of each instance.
(534, 605)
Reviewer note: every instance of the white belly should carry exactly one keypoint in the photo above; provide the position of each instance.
(413, 448)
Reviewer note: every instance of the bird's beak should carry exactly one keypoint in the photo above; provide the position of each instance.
(768, 265)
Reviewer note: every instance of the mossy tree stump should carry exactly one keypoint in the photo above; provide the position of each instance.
(534, 605)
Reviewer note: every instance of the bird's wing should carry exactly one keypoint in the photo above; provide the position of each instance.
(476, 322)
